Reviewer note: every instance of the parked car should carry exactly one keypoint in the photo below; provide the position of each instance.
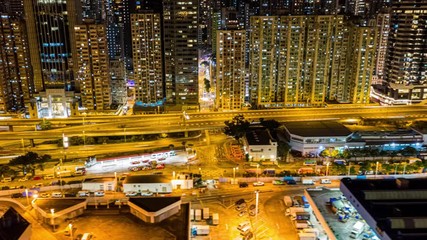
(243, 185)
(257, 184)
(49, 176)
(37, 178)
(6, 179)
(99, 193)
(242, 213)
(291, 182)
(160, 166)
(24, 179)
(278, 182)
(17, 195)
(135, 162)
(131, 194)
(44, 195)
(146, 194)
(57, 195)
(83, 193)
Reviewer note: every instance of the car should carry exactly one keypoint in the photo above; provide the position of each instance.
(99, 193)
(56, 195)
(242, 213)
(5, 188)
(243, 185)
(37, 185)
(146, 194)
(135, 162)
(131, 194)
(83, 193)
(257, 184)
(79, 173)
(278, 182)
(6, 179)
(17, 195)
(44, 195)
(24, 179)
(248, 236)
(160, 166)
(291, 182)
(87, 236)
(35, 178)
(240, 207)
(49, 176)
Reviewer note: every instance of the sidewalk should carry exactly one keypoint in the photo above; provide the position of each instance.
(38, 232)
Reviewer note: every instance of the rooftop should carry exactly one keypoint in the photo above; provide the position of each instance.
(99, 180)
(57, 204)
(395, 204)
(147, 179)
(154, 204)
(258, 137)
(12, 224)
(317, 129)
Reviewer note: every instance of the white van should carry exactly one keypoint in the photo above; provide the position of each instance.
(325, 181)
(6, 179)
(56, 195)
(86, 236)
(49, 176)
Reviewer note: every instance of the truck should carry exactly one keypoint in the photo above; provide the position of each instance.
(63, 174)
(215, 219)
(292, 210)
(191, 214)
(198, 214)
(288, 201)
(307, 236)
(357, 229)
(200, 229)
(205, 213)
(307, 181)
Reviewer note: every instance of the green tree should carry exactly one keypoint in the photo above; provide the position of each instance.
(207, 85)
(270, 124)
(409, 151)
(76, 140)
(45, 125)
(237, 127)
(102, 140)
(90, 140)
(28, 161)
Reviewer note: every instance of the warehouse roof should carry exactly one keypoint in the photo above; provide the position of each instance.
(258, 137)
(317, 129)
(154, 204)
(147, 179)
(394, 204)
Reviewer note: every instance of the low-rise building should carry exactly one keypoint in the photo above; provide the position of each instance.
(150, 183)
(312, 137)
(13, 225)
(259, 145)
(154, 209)
(388, 140)
(100, 184)
(56, 211)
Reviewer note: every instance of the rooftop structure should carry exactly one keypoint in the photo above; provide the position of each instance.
(392, 207)
(13, 226)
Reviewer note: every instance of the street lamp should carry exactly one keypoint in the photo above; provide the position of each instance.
(115, 181)
(404, 168)
(26, 194)
(71, 230)
(327, 169)
(395, 170)
(234, 175)
(84, 138)
(257, 166)
(200, 171)
(376, 169)
(52, 211)
(256, 203)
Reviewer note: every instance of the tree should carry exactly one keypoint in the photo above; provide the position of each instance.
(270, 124)
(28, 161)
(45, 125)
(207, 85)
(237, 127)
(409, 151)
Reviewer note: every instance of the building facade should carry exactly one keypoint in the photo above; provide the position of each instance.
(383, 28)
(148, 57)
(180, 40)
(406, 63)
(93, 64)
(16, 82)
(230, 75)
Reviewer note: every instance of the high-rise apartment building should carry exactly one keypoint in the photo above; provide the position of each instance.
(230, 69)
(305, 60)
(180, 26)
(406, 63)
(118, 82)
(361, 64)
(16, 85)
(263, 60)
(93, 65)
(147, 57)
(383, 27)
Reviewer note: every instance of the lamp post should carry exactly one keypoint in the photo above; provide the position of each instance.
(52, 211)
(84, 138)
(200, 171)
(395, 170)
(71, 230)
(327, 169)
(376, 169)
(404, 168)
(257, 166)
(26, 194)
(234, 175)
(256, 203)
(115, 181)
(349, 167)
